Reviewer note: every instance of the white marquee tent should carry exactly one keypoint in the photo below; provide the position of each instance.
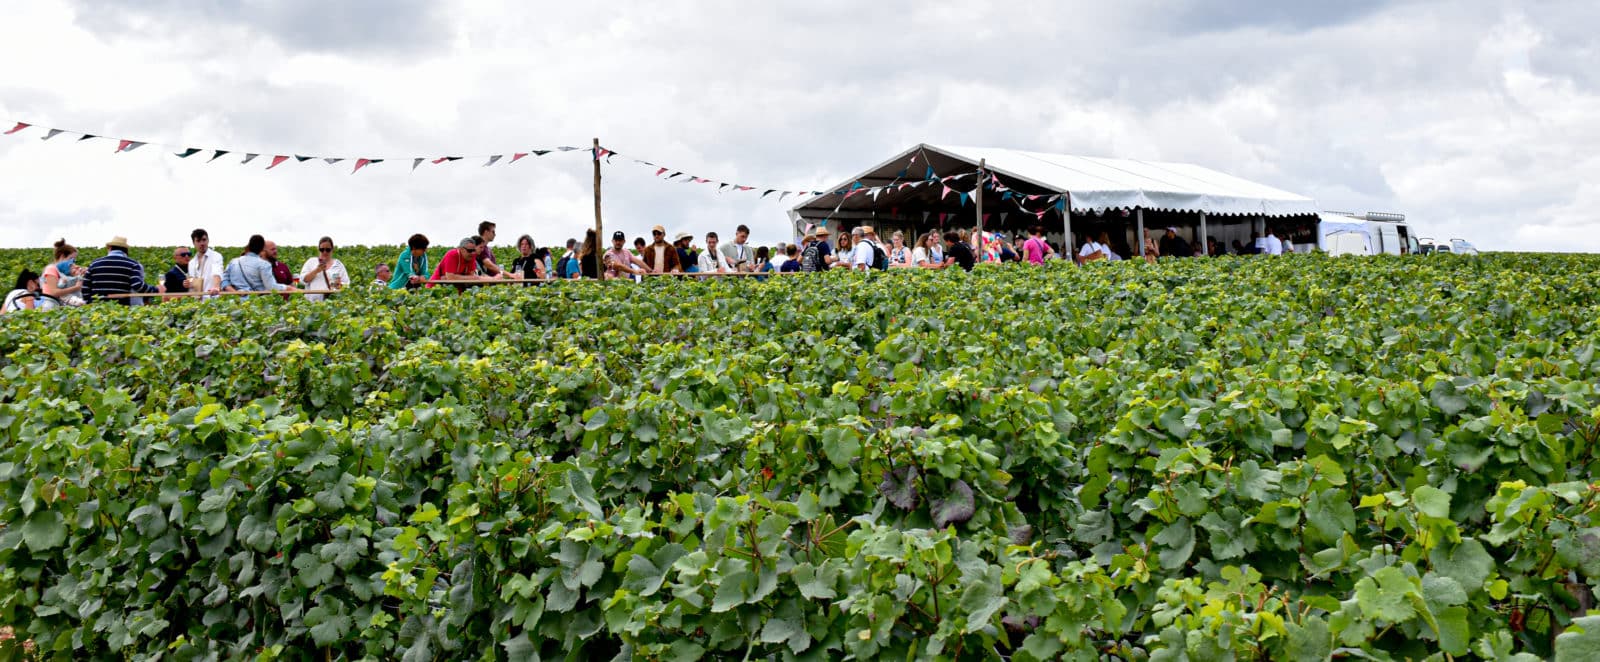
(1092, 186)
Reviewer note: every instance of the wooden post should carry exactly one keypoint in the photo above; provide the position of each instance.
(1205, 248)
(599, 228)
(977, 194)
(1139, 237)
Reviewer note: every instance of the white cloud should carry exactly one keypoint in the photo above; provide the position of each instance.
(1470, 118)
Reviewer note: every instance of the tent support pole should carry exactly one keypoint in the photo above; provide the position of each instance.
(1066, 225)
(1138, 214)
(977, 194)
(1205, 248)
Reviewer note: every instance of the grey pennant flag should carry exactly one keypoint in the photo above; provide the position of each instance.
(493, 160)
(248, 158)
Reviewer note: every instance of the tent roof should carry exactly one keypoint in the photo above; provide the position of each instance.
(1099, 184)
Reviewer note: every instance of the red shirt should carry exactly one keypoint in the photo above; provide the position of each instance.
(454, 264)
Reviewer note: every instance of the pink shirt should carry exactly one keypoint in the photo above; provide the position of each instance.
(1035, 248)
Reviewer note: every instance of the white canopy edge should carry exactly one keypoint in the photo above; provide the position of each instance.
(1099, 184)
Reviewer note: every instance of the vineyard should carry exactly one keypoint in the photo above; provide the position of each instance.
(1288, 459)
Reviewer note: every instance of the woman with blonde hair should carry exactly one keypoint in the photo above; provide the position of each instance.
(899, 253)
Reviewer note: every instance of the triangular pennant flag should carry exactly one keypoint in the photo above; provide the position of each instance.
(769, 192)
(51, 134)
(1061, 203)
(303, 159)
(277, 160)
(1039, 214)
(1003, 216)
(941, 219)
(331, 161)
(900, 174)
(362, 163)
(745, 188)
(1005, 196)
(128, 145)
(673, 175)
(925, 217)
(719, 188)
(964, 199)
(20, 126)
(658, 172)
(986, 218)
(1031, 198)
(785, 194)
(416, 162)
(493, 160)
(856, 186)
(931, 174)
(187, 153)
(569, 149)
(86, 136)
(914, 162)
(518, 156)
(219, 154)
(540, 152)
(946, 193)
(248, 158)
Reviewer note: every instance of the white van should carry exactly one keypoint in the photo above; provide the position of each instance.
(1372, 233)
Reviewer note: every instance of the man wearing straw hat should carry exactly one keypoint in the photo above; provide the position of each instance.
(116, 273)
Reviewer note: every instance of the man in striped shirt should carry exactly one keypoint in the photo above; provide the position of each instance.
(116, 273)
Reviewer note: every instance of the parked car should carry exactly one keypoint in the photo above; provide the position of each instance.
(1463, 247)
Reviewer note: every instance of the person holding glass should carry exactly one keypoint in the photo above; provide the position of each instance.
(324, 271)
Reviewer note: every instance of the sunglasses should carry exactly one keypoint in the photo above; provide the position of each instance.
(186, 255)
(326, 249)
(658, 234)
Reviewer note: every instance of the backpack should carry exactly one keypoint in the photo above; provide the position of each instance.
(567, 266)
(880, 260)
(811, 258)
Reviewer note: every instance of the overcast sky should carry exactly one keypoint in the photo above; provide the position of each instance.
(1476, 119)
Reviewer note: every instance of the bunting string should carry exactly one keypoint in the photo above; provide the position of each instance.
(184, 152)
(900, 182)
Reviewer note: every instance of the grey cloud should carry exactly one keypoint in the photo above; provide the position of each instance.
(341, 26)
(1227, 15)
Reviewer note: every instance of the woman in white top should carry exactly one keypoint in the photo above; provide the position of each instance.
(323, 272)
(25, 296)
(899, 254)
(62, 280)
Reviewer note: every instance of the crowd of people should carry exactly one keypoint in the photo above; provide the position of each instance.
(199, 270)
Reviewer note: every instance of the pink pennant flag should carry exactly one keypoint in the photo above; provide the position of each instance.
(1039, 214)
(20, 126)
(518, 155)
(1031, 198)
(659, 172)
(946, 194)
(745, 188)
(941, 219)
(128, 145)
(361, 163)
(986, 217)
(277, 160)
